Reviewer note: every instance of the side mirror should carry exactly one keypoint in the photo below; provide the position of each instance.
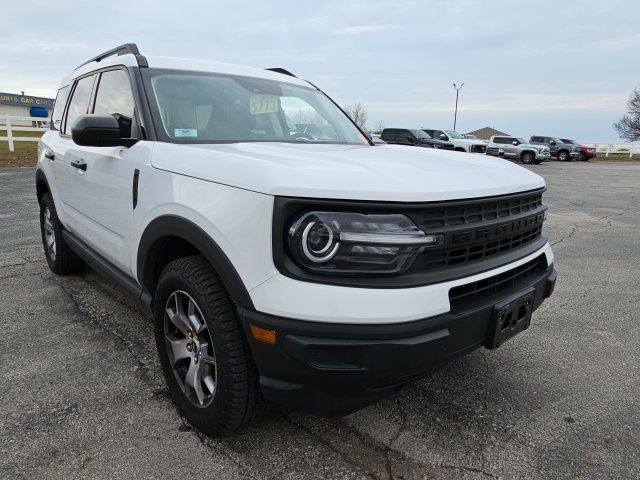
(552, 142)
(443, 136)
(99, 131)
(515, 142)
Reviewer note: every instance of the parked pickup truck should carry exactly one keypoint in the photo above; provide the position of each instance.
(413, 137)
(460, 143)
(586, 153)
(281, 266)
(565, 152)
(515, 148)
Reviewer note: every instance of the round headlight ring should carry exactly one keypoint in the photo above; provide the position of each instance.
(327, 251)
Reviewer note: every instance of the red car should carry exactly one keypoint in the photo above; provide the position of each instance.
(586, 153)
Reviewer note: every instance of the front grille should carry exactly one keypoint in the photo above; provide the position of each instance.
(480, 229)
(472, 212)
(488, 287)
(478, 148)
(481, 250)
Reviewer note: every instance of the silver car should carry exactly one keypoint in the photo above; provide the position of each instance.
(515, 148)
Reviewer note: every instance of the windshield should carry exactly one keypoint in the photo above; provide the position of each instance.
(570, 142)
(420, 134)
(196, 107)
(453, 134)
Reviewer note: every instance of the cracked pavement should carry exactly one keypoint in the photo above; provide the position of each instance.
(83, 396)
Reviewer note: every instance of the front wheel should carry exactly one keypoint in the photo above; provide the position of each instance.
(528, 157)
(204, 356)
(563, 156)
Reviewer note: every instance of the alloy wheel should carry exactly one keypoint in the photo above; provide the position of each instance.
(190, 349)
(49, 235)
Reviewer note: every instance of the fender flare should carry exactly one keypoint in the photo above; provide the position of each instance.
(41, 176)
(175, 226)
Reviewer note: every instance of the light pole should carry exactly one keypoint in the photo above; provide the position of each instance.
(455, 116)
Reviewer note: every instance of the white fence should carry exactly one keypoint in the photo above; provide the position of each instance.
(8, 123)
(616, 148)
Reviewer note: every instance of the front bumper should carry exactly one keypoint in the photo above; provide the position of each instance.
(543, 156)
(335, 369)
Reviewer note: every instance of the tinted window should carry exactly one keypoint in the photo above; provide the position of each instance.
(58, 109)
(79, 104)
(537, 140)
(436, 134)
(388, 134)
(114, 97)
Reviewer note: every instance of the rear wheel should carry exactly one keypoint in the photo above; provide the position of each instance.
(528, 157)
(60, 258)
(204, 355)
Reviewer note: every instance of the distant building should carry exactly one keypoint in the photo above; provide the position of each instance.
(486, 133)
(37, 108)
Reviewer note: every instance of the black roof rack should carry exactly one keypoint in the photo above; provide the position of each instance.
(281, 70)
(125, 49)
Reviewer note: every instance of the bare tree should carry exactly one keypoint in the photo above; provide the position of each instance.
(629, 125)
(358, 113)
(379, 127)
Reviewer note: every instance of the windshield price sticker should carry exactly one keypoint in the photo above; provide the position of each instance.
(263, 104)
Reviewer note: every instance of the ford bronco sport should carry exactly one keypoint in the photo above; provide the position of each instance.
(317, 273)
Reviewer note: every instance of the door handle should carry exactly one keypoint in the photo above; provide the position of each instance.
(79, 164)
(50, 156)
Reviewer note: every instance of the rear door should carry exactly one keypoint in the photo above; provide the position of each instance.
(103, 187)
(66, 152)
(510, 150)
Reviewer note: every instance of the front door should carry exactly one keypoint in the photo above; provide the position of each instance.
(102, 177)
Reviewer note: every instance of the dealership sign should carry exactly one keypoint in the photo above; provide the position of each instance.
(25, 100)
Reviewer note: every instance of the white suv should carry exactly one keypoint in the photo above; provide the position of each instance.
(460, 142)
(321, 274)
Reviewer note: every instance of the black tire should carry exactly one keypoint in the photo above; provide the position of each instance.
(564, 156)
(60, 258)
(528, 157)
(236, 401)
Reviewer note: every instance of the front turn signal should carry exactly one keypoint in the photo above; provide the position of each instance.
(263, 335)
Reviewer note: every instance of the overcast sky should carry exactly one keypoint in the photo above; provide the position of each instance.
(562, 68)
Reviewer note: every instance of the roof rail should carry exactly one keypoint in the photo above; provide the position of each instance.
(281, 70)
(125, 49)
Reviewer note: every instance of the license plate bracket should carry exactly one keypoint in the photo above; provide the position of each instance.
(509, 318)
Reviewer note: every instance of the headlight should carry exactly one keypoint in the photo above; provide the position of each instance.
(352, 243)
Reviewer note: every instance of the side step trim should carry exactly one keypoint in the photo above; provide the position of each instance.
(107, 269)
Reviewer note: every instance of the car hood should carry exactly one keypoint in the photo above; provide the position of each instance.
(382, 173)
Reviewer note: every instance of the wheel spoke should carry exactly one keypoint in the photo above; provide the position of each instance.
(178, 348)
(206, 358)
(177, 316)
(192, 314)
(194, 380)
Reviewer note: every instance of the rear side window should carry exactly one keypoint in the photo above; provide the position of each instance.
(79, 104)
(114, 97)
(388, 134)
(58, 109)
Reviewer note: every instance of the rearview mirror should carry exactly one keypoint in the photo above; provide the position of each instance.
(99, 131)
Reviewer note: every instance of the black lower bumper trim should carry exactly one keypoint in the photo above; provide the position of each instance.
(336, 369)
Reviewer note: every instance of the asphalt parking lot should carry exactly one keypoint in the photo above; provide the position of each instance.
(82, 395)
